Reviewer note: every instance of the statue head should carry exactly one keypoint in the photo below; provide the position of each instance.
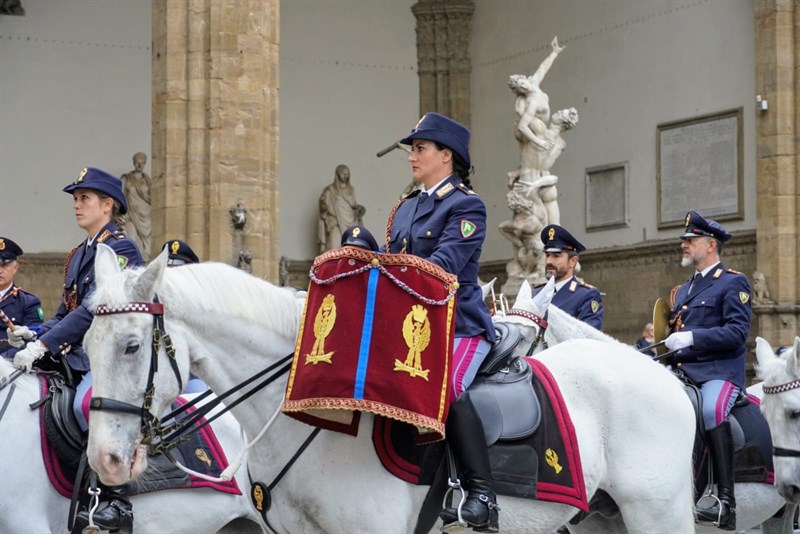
(343, 174)
(520, 84)
(139, 159)
(567, 118)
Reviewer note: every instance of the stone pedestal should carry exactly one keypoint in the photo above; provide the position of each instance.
(215, 128)
(778, 217)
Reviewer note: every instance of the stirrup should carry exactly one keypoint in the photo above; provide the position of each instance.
(716, 523)
(459, 524)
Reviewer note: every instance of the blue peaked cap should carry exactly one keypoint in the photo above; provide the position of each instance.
(9, 250)
(358, 236)
(696, 225)
(99, 180)
(557, 239)
(443, 130)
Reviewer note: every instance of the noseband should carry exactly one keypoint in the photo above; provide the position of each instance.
(541, 322)
(103, 404)
(774, 390)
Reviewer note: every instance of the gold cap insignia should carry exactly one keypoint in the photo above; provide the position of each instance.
(420, 121)
(551, 234)
(688, 219)
(82, 174)
(356, 231)
(175, 247)
(2, 244)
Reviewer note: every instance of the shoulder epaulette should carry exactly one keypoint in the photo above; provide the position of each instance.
(590, 286)
(116, 234)
(466, 189)
(733, 272)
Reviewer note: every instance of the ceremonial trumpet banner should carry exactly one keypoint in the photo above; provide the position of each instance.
(376, 336)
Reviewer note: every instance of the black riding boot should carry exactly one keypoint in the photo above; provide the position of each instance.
(117, 514)
(466, 438)
(722, 513)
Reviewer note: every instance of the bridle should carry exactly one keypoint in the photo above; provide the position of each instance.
(150, 423)
(774, 390)
(541, 322)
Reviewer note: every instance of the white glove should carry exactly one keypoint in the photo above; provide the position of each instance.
(19, 335)
(25, 358)
(679, 340)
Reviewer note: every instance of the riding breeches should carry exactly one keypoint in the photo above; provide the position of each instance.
(468, 355)
(718, 398)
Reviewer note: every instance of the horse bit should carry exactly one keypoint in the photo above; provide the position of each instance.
(774, 390)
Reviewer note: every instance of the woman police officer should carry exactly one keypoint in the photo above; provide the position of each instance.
(444, 221)
(98, 202)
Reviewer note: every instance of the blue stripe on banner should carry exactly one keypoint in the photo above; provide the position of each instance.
(366, 334)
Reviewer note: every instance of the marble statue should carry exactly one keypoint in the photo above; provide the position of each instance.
(136, 186)
(533, 195)
(760, 289)
(338, 209)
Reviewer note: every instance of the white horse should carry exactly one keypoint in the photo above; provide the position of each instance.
(227, 325)
(29, 504)
(756, 504)
(781, 407)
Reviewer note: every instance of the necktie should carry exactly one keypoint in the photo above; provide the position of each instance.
(697, 277)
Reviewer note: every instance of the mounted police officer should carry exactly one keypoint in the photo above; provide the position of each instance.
(573, 296)
(98, 203)
(710, 321)
(22, 307)
(444, 221)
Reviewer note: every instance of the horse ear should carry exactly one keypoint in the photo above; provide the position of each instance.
(523, 296)
(486, 289)
(145, 286)
(106, 264)
(764, 354)
(542, 299)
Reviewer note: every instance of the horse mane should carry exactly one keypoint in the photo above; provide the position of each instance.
(579, 328)
(213, 289)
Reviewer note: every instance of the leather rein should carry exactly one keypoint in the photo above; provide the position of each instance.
(162, 438)
(774, 390)
(541, 322)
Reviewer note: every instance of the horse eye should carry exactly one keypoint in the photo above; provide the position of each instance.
(794, 414)
(133, 348)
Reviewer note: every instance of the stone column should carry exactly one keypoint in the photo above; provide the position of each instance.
(215, 128)
(778, 218)
(444, 65)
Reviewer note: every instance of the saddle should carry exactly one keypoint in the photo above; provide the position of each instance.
(64, 445)
(752, 441)
(532, 446)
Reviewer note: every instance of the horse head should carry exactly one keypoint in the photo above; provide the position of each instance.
(124, 354)
(781, 407)
(530, 314)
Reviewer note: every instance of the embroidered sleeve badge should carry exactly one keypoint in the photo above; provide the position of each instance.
(744, 297)
(467, 228)
(123, 261)
(595, 306)
(40, 313)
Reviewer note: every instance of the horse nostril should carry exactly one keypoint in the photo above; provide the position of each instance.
(113, 460)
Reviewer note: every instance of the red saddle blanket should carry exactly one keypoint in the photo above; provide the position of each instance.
(202, 453)
(376, 336)
(560, 473)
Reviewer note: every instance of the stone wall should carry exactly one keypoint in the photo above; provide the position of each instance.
(43, 275)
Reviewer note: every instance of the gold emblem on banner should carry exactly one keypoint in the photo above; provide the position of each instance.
(417, 335)
(323, 324)
(202, 456)
(551, 458)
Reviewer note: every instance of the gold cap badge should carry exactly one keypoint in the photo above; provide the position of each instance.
(175, 247)
(2, 244)
(551, 234)
(82, 174)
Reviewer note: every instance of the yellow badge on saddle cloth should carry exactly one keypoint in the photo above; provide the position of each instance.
(551, 459)
(744, 297)
(323, 325)
(417, 335)
(467, 228)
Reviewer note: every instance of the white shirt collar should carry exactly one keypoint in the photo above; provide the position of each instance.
(432, 189)
(90, 241)
(7, 290)
(562, 283)
(705, 271)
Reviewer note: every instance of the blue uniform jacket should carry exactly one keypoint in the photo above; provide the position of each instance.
(66, 329)
(580, 300)
(718, 315)
(23, 308)
(448, 229)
